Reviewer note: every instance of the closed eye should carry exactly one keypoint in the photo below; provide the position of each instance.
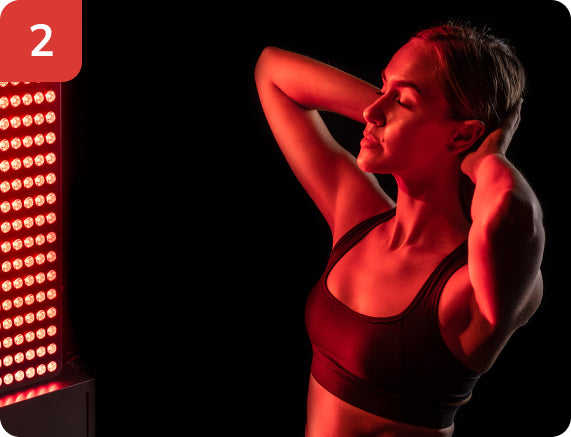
(404, 105)
(397, 100)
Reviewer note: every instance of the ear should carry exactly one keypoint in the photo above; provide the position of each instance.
(465, 135)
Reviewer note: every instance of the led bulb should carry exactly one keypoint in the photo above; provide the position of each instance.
(16, 122)
(27, 120)
(50, 96)
(27, 99)
(50, 117)
(38, 97)
(16, 143)
(15, 101)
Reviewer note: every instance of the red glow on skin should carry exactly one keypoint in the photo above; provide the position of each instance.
(409, 135)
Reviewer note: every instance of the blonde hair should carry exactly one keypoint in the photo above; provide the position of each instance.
(481, 75)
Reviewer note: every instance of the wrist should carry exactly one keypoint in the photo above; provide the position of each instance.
(474, 166)
(494, 169)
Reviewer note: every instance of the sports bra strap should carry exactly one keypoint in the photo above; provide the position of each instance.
(356, 233)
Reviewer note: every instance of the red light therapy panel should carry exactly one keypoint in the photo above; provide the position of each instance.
(30, 233)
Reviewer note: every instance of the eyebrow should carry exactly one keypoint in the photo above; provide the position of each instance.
(403, 83)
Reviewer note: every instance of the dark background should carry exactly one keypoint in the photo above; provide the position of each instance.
(192, 247)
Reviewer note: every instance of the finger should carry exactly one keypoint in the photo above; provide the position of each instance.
(511, 122)
(518, 108)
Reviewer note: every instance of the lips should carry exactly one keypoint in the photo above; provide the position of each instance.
(369, 141)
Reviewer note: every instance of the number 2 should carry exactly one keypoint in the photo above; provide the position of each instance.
(48, 34)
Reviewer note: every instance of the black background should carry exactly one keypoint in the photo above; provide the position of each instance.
(192, 247)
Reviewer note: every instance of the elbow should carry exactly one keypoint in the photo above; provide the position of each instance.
(260, 69)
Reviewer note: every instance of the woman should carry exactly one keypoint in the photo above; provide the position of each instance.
(417, 300)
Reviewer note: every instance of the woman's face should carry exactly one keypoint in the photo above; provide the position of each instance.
(408, 129)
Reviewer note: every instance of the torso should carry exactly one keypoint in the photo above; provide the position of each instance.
(369, 289)
(330, 416)
(366, 277)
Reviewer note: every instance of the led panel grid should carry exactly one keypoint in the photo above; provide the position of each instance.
(30, 233)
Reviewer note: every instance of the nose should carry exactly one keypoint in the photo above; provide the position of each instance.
(374, 113)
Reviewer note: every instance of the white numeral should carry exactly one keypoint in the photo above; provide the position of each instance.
(48, 34)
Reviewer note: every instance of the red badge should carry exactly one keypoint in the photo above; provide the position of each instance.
(40, 40)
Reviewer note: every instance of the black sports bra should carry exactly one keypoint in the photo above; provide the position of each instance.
(396, 367)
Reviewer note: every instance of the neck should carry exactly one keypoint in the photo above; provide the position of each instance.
(429, 212)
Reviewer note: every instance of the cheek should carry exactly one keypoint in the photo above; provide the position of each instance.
(415, 135)
(407, 143)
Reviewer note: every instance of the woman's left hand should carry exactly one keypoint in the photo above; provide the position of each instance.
(497, 142)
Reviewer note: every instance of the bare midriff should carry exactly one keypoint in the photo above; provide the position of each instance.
(327, 415)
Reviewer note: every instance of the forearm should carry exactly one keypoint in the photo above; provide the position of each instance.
(314, 85)
(506, 238)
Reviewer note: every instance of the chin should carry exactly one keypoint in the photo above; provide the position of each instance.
(371, 162)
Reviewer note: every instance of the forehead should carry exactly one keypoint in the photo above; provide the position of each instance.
(416, 61)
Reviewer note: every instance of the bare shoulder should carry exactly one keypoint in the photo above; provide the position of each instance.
(359, 197)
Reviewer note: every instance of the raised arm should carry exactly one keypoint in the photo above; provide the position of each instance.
(506, 240)
(292, 89)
